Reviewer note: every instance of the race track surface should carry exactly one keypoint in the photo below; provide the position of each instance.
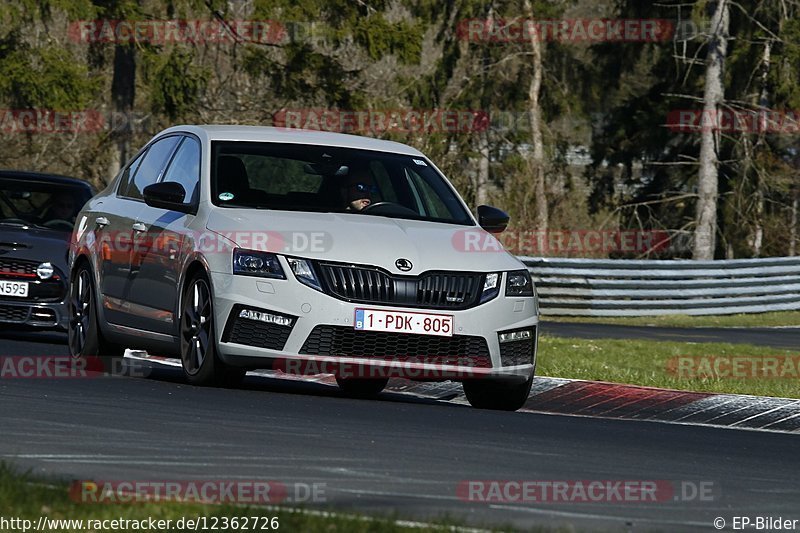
(395, 454)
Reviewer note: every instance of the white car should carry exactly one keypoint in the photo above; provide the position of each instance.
(241, 247)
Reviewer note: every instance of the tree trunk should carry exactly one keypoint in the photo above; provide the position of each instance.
(708, 179)
(537, 160)
(793, 224)
(482, 178)
(763, 102)
(123, 93)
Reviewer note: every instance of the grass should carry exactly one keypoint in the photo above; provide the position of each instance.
(781, 318)
(673, 365)
(25, 497)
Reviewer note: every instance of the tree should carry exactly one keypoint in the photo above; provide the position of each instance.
(708, 178)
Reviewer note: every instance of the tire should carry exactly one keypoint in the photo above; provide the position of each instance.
(496, 394)
(199, 359)
(86, 342)
(362, 388)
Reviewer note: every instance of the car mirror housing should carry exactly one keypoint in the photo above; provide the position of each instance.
(492, 219)
(167, 195)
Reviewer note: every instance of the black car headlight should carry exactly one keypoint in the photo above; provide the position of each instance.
(519, 283)
(303, 270)
(261, 264)
(491, 286)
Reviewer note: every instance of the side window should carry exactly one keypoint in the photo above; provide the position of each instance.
(151, 166)
(124, 181)
(185, 168)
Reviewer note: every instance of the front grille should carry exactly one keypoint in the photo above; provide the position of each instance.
(53, 289)
(18, 267)
(343, 341)
(14, 313)
(519, 352)
(432, 290)
(256, 333)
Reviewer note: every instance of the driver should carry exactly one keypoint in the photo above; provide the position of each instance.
(62, 207)
(358, 190)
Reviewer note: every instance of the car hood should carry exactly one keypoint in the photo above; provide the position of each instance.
(35, 244)
(365, 239)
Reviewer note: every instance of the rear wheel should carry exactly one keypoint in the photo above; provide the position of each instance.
(201, 364)
(497, 394)
(362, 388)
(86, 342)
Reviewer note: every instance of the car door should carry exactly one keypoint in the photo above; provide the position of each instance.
(125, 233)
(111, 219)
(157, 258)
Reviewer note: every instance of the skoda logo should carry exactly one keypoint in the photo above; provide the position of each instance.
(403, 264)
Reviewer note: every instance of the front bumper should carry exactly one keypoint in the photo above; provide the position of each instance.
(321, 325)
(42, 315)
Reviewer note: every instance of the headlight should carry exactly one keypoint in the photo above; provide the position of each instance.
(45, 271)
(491, 286)
(304, 272)
(262, 264)
(519, 283)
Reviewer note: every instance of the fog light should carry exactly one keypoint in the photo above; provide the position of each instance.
(269, 318)
(511, 336)
(45, 271)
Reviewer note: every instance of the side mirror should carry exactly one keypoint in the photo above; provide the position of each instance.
(167, 195)
(492, 219)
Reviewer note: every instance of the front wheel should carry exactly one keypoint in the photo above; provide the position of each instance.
(199, 359)
(86, 342)
(496, 394)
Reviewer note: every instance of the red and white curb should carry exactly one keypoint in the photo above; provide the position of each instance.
(596, 399)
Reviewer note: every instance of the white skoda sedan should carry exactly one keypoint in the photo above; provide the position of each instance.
(305, 252)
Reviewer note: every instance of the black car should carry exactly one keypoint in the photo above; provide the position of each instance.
(37, 213)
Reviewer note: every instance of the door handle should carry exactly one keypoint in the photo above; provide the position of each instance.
(139, 227)
(101, 221)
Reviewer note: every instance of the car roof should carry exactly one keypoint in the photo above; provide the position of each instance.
(292, 136)
(24, 175)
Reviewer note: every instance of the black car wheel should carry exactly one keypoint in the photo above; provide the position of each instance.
(199, 359)
(86, 340)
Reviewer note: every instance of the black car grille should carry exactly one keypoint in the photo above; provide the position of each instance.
(433, 290)
(256, 333)
(14, 313)
(17, 267)
(518, 352)
(343, 341)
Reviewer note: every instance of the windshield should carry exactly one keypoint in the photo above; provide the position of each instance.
(41, 203)
(331, 179)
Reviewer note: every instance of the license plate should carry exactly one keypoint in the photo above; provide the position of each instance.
(403, 322)
(14, 288)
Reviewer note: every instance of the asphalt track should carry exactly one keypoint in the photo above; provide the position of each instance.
(788, 338)
(393, 455)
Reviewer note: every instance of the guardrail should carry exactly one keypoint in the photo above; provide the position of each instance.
(605, 287)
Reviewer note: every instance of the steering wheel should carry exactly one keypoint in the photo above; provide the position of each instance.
(58, 223)
(389, 208)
